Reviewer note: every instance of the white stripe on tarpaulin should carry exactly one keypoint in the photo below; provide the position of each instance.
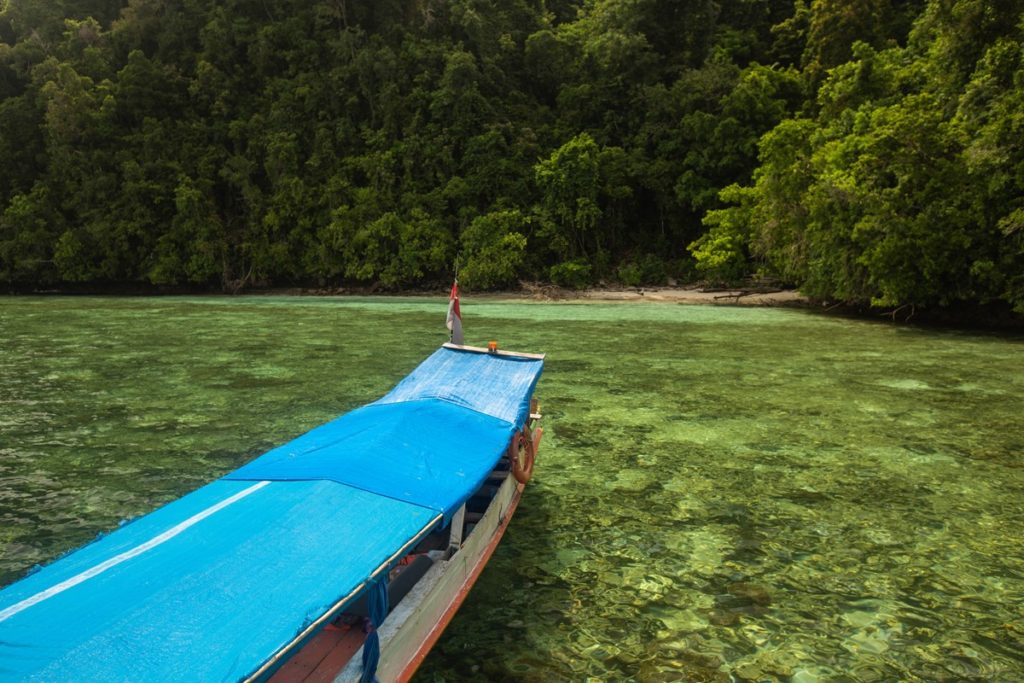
(128, 554)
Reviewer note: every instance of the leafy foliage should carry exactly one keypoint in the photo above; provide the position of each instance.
(866, 151)
(901, 189)
(495, 248)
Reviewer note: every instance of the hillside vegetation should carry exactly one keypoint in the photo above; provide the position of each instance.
(867, 151)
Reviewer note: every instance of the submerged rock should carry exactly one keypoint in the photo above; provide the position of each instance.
(753, 592)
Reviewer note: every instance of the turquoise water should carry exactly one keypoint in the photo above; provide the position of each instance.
(722, 493)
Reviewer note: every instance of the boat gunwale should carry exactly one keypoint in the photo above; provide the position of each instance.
(475, 563)
(469, 561)
(478, 565)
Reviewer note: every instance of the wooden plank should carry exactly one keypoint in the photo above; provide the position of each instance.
(499, 352)
(306, 660)
(342, 653)
(455, 532)
(321, 658)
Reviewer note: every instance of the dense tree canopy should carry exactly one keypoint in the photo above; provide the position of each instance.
(865, 151)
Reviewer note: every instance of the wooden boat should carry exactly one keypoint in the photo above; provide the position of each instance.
(341, 555)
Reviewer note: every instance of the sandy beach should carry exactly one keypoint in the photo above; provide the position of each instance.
(545, 292)
(682, 295)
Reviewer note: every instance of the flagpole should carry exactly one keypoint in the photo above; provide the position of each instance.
(454, 319)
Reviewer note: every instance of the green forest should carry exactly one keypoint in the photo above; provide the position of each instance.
(866, 151)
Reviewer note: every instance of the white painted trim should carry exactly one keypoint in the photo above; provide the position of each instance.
(127, 555)
(499, 352)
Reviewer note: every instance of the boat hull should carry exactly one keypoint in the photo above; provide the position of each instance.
(419, 619)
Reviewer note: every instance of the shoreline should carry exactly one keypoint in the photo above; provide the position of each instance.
(698, 295)
(555, 294)
(529, 292)
(675, 295)
(979, 317)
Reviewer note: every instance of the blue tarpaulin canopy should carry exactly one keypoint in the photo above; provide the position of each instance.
(215, 585)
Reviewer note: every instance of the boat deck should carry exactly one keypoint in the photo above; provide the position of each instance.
(324, 656)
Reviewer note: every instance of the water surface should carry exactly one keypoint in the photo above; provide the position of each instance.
(722, 493)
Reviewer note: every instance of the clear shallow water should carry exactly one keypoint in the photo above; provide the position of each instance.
(722, 493)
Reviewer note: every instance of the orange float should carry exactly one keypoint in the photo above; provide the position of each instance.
(521, 453)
